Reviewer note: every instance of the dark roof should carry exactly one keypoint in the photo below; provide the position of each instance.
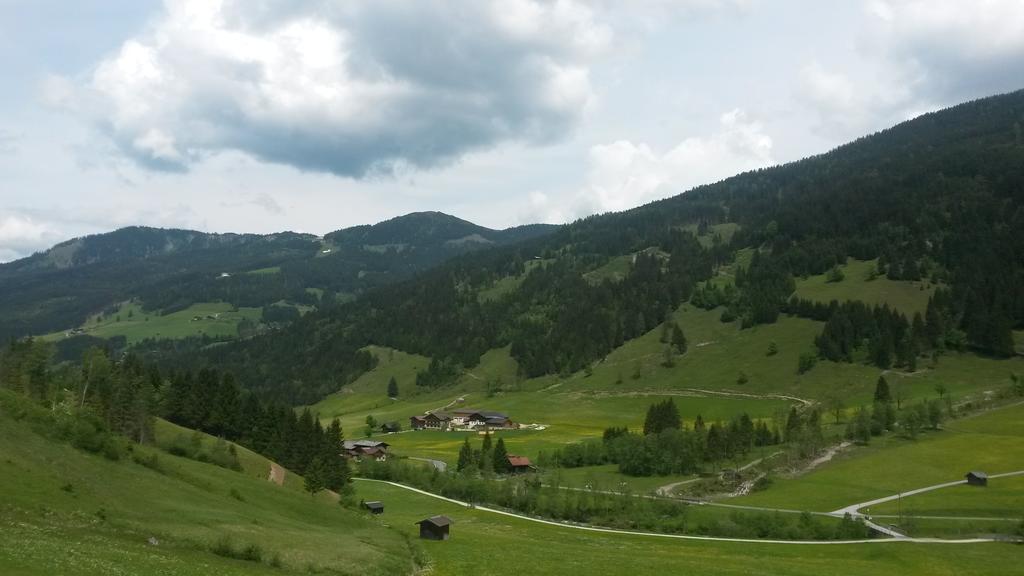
(485, 413)
(977, 474)
(439, 521)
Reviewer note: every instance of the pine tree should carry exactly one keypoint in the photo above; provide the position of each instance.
(500, 457)
(392, 388)
(465, 456)
(678, 339)
(315, 475)
(882, 393)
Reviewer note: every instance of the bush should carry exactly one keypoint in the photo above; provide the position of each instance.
(224, 547)
(807, 361)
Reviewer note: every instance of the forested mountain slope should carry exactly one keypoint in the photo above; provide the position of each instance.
(939, 197)
(169, 270)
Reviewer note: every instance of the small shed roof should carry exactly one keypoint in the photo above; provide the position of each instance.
(519, 460)
(439, 521)
(374, 505)
(977, 474)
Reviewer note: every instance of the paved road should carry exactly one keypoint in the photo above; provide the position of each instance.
(680, 536)
(440, 465)
(854, 509)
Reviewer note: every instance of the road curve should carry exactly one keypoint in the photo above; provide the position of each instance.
(854, 509)
(679, 536)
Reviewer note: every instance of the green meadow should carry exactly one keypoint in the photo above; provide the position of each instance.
(136, 325)
(479, 538)
(1002, 498)
(860, 284)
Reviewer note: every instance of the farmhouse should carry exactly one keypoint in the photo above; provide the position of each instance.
(520, 464)
(374, 506)
(359, 449)
(463, 419)
(976, 478)
(435, 528)
(430, 421)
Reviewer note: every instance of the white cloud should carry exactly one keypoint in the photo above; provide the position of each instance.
(624, 174)
(846, 108)
(960, 49)
(349, 88)
(21, 235)
(919, 55)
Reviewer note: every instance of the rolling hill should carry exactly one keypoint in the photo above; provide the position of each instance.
(84, 281)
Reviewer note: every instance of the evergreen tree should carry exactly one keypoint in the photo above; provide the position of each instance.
(465, 456)
(882, 393)
(314, 476)
(678, 339)
(392, 388)
(500, 458)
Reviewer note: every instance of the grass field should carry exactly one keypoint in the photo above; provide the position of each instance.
(1002, 498)
(65, 511)
(478, 538)
(993, 442)
(136, 325)
(907, 297)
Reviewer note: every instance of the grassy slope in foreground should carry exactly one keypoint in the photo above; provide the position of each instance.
(480, 538)
(993, 442)
(69, 512)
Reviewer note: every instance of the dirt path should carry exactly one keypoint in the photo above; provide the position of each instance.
(698, 392)
(829, 454)
(276, 474)
(668, 489)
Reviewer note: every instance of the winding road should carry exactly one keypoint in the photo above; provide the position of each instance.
(855, 509)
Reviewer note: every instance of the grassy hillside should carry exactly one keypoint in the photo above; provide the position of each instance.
(69, 512)
(861, 282)
(216, 319)
(992, 441)
(477, 537)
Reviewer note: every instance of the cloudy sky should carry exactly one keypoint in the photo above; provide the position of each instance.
(312, 115)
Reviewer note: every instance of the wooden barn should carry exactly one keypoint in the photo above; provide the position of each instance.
(374, 506)
(519, 464)
(976, 478)
(435, 528)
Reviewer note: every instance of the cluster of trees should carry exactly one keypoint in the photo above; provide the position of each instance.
(527, 495)
(213, 403)
(888, 413)
(667, 446)
(122, 394)
(438, 373)
(489, 459)
(855, 331)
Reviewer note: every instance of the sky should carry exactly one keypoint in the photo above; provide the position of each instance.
(315, 115)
